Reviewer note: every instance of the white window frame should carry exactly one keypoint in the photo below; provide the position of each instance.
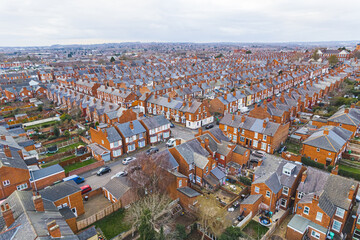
(22, 186)
(268, 193)
(180, 183)
(340, 212)
(283, 199)
(257, 189)
(300, 195)
(338, 222)
(306, 210)
(315, 234)
(285, 191)
(319, 216)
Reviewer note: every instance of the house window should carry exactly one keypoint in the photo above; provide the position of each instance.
(207, 169)
(243, 131)
(285, 191)
(283, 202)
(318, 149)
(198, 179)
(116, 144)
(255, 143)
(189, 117)
(242, 139)
(267, 194)
(22, 186)
(180, 183)
(264, 137)
(339, 212)
(336, 226)
(131, 147)
(153, 139)
(213, 166)
(6, 183)
(319, 216)
(300, 195)
(257, 189)
(234, 138)
(225, 128)
(306, 210)
(255, 135)
(235, 130)
(222, 157)
(315, 234)
(117, 152)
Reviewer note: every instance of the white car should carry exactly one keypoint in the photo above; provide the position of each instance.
(120, 174)
(171, 142)
(127, 160)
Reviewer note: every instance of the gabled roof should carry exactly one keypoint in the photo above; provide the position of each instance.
(118, 186)
(60, 190)
(125, 129)
(45, 172)
(155, 122)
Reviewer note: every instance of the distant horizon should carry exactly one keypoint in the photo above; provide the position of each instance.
(355, 42)
(36, 23)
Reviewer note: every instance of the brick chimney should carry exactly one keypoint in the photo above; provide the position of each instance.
(351, 192)
(206, 142)
(131, 125)
(200, 131)
(326, 131)
(316, 198)
(346, 110)
(169, 99)
(304, 175)
(7, 151)
(54, 229)
(233, 117)
(352, 105)
(7, 215)
(38, 202)
(234, 93)
(335, 170)
(242, 118)
(3, 137)
(264, 124)
(225, 96)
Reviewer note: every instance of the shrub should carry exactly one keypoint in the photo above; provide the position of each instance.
(309, 162)
(348, 174)
(245, 180)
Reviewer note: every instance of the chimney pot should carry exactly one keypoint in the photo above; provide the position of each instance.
(131, 125)
(7, 151)
(346, 110)
(38, 203)
(7, 215)
(326, 131)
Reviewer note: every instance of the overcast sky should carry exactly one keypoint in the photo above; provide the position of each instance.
(48, 22)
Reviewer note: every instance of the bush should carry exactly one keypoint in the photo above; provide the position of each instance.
(309, 162)
(245, 180)
(330, 168)
(348, 174)
(180, 232)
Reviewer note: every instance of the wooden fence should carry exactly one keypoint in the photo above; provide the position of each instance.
(59, 145)
(291, 156)
(56, 156)
(99, 215)
(275, 225)
(74, 160)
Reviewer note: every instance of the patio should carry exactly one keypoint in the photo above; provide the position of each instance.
(94, 205)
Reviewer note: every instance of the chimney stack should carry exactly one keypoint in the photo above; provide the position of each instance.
(233, 117)
(200, 131)
(7, 151)
(351, 192)
(54, 229)
(131, 125)
(304, 175)
(38, 202)
(169, 99)
(206, 142)
(346, 110)
(264, 124)
(242, 118)
(335, 170)
(316, 198)
(7, 215)
(3, 137)
(326, 131)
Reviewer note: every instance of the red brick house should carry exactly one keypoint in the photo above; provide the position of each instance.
(157, 128)
(133, 134)
(109, 138)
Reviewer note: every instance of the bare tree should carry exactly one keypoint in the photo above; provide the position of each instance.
(211, 216)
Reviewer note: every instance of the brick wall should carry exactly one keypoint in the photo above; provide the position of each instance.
(73, 201)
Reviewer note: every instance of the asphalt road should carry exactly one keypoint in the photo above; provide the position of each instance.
(116, 166)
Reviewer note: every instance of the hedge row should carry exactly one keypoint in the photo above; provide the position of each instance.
(348, 174)
(308, 162)
(245, 180)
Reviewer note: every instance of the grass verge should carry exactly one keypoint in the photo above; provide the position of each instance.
(255, 230)
(113, 224)
(78, 165)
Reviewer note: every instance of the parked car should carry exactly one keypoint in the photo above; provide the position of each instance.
(172, 125)
(103, 170)
(258, 154)
(282, 149)
(152, 150)
(74, 178)
(171, 142)
(85, 189)
(127, 160)
(209, 126)
(120, 174)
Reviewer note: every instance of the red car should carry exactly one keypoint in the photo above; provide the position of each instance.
(85, 189)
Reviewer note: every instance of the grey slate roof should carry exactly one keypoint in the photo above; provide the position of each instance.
(125, 129)
(118, 186)
(113, 135)
(59, 191)
(155, 122)
(44, 172)
(333, 141)
(251, 199)
(218, 173)
(351, 118)
(314, 182)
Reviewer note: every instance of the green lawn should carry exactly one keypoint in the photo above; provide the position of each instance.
(349, 169)
(255, 230)
(67, 148)
(78, 165)
(292, 147)
(113, 224)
